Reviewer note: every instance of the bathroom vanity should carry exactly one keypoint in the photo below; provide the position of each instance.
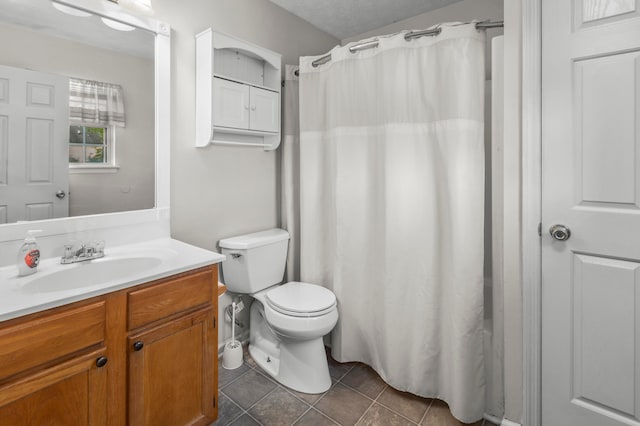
(140, 353)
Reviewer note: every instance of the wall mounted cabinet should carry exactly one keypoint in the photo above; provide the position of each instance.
(237, 92)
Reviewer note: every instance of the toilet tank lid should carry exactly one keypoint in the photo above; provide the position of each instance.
(256, 239)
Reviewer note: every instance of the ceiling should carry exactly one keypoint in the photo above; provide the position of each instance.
(346, 18)
(40, 15)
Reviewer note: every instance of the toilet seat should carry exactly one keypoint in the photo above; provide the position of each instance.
(299, 299)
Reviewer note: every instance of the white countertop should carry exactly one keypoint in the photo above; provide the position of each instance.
(25, 295)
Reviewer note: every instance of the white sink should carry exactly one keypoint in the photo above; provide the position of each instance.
(90, 273)
(122, 266)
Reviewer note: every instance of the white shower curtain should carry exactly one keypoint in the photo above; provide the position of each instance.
(290, 170)
(392, 205)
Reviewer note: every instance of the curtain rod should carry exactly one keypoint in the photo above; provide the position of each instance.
(408, 36)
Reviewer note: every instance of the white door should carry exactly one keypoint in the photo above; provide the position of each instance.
(34, 153)
(230, 104)
(265, 110)
(591, 185)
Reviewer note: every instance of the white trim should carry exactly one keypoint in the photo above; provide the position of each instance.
(531, 210)
(117, 13)
(88, 168)
(506, 422)
(163, 119)
(492, 419)
(160, 214)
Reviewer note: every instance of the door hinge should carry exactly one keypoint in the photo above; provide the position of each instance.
(540, 229)
(214, 322)
(214, 402)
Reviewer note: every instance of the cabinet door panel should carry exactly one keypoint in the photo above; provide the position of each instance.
(171, 378)
(72, 393)
(230, 104)
(265, 110)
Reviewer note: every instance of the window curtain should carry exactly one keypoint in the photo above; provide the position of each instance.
(392, 208)
(97, 103)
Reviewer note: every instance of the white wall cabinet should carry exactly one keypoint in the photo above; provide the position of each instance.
(240, 106)
(237, 92)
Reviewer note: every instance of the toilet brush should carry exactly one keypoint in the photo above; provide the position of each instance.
(232, 355)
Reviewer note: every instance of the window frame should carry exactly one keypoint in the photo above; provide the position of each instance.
(111, 166)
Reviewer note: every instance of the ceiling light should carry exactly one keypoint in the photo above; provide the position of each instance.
(70, 10)
(140, 6)
(117, 25)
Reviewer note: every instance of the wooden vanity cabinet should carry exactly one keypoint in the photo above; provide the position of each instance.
(140, 356)
(172, 350)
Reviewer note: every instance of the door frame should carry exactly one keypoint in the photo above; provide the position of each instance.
(531, 210)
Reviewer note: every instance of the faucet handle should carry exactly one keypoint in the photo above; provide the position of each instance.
(68, 251)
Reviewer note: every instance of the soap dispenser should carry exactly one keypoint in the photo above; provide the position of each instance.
(28, 255)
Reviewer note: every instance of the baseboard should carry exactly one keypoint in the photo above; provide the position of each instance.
(493, 419)
(499, 421)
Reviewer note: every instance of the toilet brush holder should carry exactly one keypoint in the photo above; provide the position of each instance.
(232, 355)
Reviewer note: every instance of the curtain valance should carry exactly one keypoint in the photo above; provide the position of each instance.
(96, 102)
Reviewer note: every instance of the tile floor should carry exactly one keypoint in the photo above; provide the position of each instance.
(358, 396)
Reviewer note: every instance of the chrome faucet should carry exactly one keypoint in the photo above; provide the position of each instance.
(86, 251)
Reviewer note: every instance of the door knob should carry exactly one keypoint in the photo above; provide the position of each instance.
(61, 194)
(101, 362)
(137, 346)
(560, 232)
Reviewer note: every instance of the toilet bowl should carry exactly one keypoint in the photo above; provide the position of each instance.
(287, 321)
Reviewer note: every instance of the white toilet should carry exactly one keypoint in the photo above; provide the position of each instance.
(288, 320)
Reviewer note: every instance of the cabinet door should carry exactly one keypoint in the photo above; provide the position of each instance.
(230, 104)
(265, 110)
(171, 372)
(70, 393)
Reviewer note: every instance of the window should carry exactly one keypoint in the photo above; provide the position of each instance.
(95, 110)
(90, 145)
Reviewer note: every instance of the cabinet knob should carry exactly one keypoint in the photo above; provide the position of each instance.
(137, 346)
(101, 361)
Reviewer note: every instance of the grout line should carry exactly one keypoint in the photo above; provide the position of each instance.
(424, 416)
(256, 420)
(365, 412)
(324, 415)
(242, 410)
(358, 392)
(399, 413)
(300, 416)
(232, 381)
(265, 395)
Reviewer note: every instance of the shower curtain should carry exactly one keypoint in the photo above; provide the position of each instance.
(290, 170)
(392, 206)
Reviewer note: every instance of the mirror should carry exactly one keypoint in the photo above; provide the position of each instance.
(51, 166)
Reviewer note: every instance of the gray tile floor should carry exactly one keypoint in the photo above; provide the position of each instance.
(358, 396)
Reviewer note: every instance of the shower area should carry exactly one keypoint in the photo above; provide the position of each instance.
(392, 193)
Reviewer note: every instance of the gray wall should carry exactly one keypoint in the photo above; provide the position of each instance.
(132, 186)
(220, 191)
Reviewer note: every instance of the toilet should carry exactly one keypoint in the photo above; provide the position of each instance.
(288, 321)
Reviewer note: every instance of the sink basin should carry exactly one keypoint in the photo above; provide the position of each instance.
(90, 273)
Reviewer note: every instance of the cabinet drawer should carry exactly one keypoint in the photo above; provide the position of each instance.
(38, 341)
(164, 299)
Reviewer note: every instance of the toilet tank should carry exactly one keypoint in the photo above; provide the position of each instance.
(254, 261)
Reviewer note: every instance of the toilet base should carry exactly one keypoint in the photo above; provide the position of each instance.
(301, 366)
(298, 364)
